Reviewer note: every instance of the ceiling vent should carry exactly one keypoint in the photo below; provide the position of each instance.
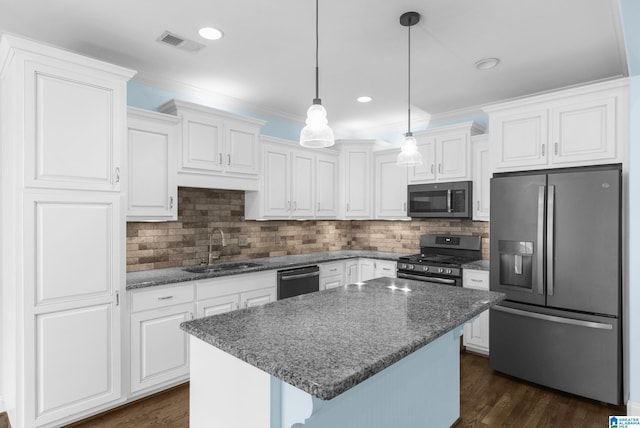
(179, 42)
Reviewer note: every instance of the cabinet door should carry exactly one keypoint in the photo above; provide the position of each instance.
(385, 268)
(520, 139)
(326, 186)
(159, 348)
(366, 269)
(351, 272)
(74, 129)
(72, 279)
(241, 148)
(217, 305)
(257, 297)
(391, 187)
(302, 185)
(358, 175)
(331, 282)
(476, 334)
(452, 155)
(276, 183)
(584, 131)
(151, 165)
(481, 178)
(427, 171)
(202, 149)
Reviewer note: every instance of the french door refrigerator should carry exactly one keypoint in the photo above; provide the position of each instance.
(555, 250)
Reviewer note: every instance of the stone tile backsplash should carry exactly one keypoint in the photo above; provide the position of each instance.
(185, 242)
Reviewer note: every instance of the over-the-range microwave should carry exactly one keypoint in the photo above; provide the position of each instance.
(440, 200)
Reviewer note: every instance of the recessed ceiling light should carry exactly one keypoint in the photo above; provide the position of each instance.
(210, 33)
(364, 99)
(487, 63)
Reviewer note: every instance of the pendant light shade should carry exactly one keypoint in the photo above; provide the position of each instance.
(316, 133)
(409, 154)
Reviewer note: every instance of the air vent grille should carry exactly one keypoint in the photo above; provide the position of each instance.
(180, 42)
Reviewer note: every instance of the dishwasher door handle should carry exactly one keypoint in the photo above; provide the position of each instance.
(302, 275)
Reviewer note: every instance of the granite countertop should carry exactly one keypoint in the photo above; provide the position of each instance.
(150, 278)
(477, 265)
(327, 342)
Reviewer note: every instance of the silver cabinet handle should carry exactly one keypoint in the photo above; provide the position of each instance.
(543, 150)
(555, 148)
(117, 174)
(440, 168)
(228, 159)
(170, 202)
(237, 305)
(550, 235)
(405, 206)
(553, 318)
(540, 239)
(476, 280)
(295, 205)
(478, 205)
(318, 206)
(117, 298)
(219, 158)
(431, 168)
(165, 297)
(288, 205)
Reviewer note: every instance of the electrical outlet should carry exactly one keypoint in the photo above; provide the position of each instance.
(242, 241)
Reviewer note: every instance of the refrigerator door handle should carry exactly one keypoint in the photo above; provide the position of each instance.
(540, 241)
(550, 236)
(448, 200)
(553, 318)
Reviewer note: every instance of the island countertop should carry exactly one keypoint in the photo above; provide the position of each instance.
(325, 343)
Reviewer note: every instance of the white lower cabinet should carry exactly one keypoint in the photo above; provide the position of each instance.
(159, 348)
(476, 333)
(351, 271)
(331, 275)
(370, 268)
(217, 305)
(252, 298)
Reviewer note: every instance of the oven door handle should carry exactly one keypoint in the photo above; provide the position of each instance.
(427, 278)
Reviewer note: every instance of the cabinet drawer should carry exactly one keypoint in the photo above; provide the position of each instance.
(160, 297)
(475, 279)
(331, 269)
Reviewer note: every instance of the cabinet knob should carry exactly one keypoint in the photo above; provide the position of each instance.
(117, 173)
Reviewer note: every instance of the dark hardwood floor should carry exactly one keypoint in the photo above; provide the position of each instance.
(488, 399)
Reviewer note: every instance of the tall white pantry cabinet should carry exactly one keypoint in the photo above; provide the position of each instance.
(63, 121)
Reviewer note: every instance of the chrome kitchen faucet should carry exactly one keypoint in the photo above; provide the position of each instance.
(223, 244)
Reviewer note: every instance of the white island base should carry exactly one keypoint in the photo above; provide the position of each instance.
(421, 390)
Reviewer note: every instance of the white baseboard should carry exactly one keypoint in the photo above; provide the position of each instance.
(633, 409)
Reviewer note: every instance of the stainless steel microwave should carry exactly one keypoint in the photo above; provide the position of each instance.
(440, 200)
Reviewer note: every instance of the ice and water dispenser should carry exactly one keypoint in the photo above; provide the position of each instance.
(516, 263)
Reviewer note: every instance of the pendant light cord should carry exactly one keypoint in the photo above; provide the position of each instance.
(409, 82)
(317, 99)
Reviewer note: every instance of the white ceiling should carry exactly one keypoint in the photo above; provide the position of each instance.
(266, 59)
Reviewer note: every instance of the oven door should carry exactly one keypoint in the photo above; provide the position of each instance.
(440, 200)
(456, 282)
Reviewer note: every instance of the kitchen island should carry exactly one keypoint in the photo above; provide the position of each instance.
(375, 354)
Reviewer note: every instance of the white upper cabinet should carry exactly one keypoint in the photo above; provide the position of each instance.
(390, 186)
(446, 153)
(218, 149)
(326, 187)
(481, 176)
(74, 119)
(151, 164)
(297, 183)
(574, 127)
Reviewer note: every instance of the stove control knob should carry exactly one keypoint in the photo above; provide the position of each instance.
(440, 270)
(411, 267)
(401, 265)
(425, 268)
(449, 271)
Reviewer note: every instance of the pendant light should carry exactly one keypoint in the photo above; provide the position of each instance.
(409, 154)
(316, 134)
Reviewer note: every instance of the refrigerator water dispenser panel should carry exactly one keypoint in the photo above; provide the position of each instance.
(516, 263)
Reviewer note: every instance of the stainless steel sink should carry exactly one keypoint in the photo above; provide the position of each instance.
(221, 267)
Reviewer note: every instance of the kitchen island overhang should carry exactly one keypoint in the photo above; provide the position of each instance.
(360, 355)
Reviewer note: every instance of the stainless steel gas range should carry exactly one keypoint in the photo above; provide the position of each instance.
(441, 258)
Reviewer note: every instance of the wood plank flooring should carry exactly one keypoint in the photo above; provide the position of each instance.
(487, 399)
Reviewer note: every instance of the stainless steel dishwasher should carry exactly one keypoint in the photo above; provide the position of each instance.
(296, 281)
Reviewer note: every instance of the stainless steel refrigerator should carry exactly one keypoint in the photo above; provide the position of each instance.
(555, 248)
